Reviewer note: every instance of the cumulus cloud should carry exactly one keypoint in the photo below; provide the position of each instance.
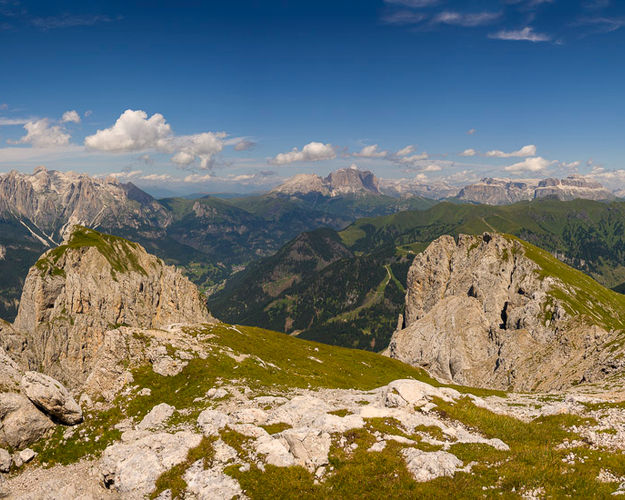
(371, 152)
(41, 134)
(134, 131)
(526, 34)
(70, 116)
(536, 164)
(468, 152)
(529, 150)
(313, 151)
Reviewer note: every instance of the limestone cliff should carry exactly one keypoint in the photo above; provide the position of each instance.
(92, 283)
(494, 311)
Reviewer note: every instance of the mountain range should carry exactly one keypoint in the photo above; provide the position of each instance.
(212, 238)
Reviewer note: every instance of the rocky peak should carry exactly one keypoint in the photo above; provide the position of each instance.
(341, 182)
(50, 202)
(92, 283)
(351, 180)
(493, 311)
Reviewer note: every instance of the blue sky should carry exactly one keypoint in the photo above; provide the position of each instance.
(214, 96)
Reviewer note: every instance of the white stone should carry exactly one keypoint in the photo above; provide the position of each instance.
(425, 466)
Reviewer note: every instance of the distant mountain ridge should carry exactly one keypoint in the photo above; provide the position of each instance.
(491, 191)
(488, 191)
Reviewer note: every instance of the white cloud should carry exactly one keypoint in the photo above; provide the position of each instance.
(536, 164)
(466, 20)
(244, 145)
(405, 151)
(88, 113)
(134, 131)
(371, 152)
(412, 160)
(468, 152)
(471, 131)
(70, 116)
(313, 151)
(40, 134)
(526, 34)
(202, 147)
(571, 165)
(433, 168)
(14, 121)
(529, 150)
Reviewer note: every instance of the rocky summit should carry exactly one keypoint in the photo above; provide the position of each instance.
(90, 284)
(494, 311)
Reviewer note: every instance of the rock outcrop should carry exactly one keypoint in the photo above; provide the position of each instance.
(481, 312)
(90, 284)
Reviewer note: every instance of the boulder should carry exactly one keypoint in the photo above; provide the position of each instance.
(425, 466)
(21, 422)
(156, 417)
(51, 397)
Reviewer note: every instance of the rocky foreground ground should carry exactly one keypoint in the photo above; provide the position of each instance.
(211, 414)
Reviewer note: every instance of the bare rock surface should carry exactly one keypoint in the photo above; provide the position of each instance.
(51, 397)
(132, 468)
(479, 312)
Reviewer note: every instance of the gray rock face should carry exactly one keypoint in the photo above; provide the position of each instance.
(478, 312)
(51, 397)
(91, 284)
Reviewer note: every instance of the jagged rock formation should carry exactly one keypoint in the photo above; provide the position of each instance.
(90, 284)
(346, 181)
(492, 191)
(492, 311)
(51, 202)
